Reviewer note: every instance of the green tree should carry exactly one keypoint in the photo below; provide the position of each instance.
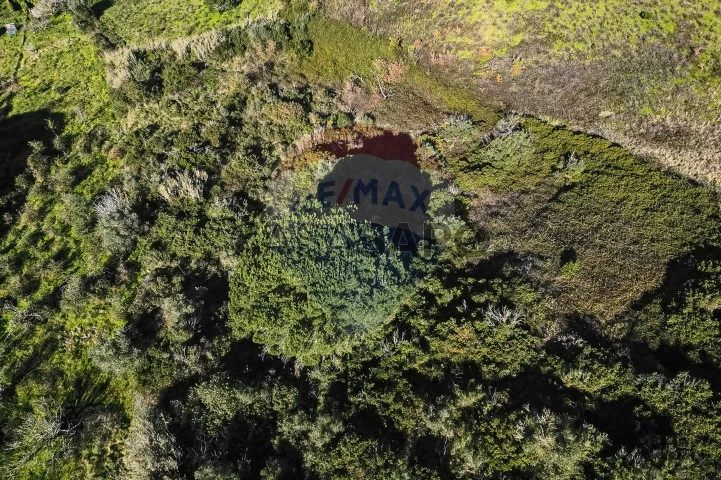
(309, 283)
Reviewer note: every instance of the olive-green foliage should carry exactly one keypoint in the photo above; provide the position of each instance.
(222, 5)
(152, 301)
(551, 194)
(309, 283)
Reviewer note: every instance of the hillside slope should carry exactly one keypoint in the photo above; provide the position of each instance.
(643, 73)
(174, 304)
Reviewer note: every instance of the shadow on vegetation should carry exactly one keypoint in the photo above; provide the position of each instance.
(15, 134)
(628, 421)
(673, 359)
(246, 362)
(101, 7)
(679, 271)
(247, 440)
(208, 293)
(91, 394)
(31, 362)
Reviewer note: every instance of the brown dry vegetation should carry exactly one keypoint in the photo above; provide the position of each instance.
(648, 86)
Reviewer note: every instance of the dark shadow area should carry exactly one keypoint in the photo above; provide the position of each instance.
(628, 421)
(369, 423)
(679, 271)
(631, 424)
(672, 360)
(586, 328)
(143, 330)
(5, 103)
(682, 274)
(388, 145)
(291, 461)
(248, 440)
(247, 363)
(90, 394)
(432, 452)
(505, 266)
(568, 255)
(208, 293)
(99, 8)
(15, 134)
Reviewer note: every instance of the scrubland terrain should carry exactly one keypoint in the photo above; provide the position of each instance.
(642, 73)
(167, 314)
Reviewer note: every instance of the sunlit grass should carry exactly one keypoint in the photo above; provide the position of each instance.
(61, 71)
(145, 21)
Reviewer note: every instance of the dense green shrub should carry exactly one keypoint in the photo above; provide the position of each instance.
(180, 76)
(311, 283)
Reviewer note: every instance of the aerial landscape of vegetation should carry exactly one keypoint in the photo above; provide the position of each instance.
(209, 266)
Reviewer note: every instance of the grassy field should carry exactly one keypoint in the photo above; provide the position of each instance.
(60, 71)
(143, 22)
(643, 73)
(343, 53)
